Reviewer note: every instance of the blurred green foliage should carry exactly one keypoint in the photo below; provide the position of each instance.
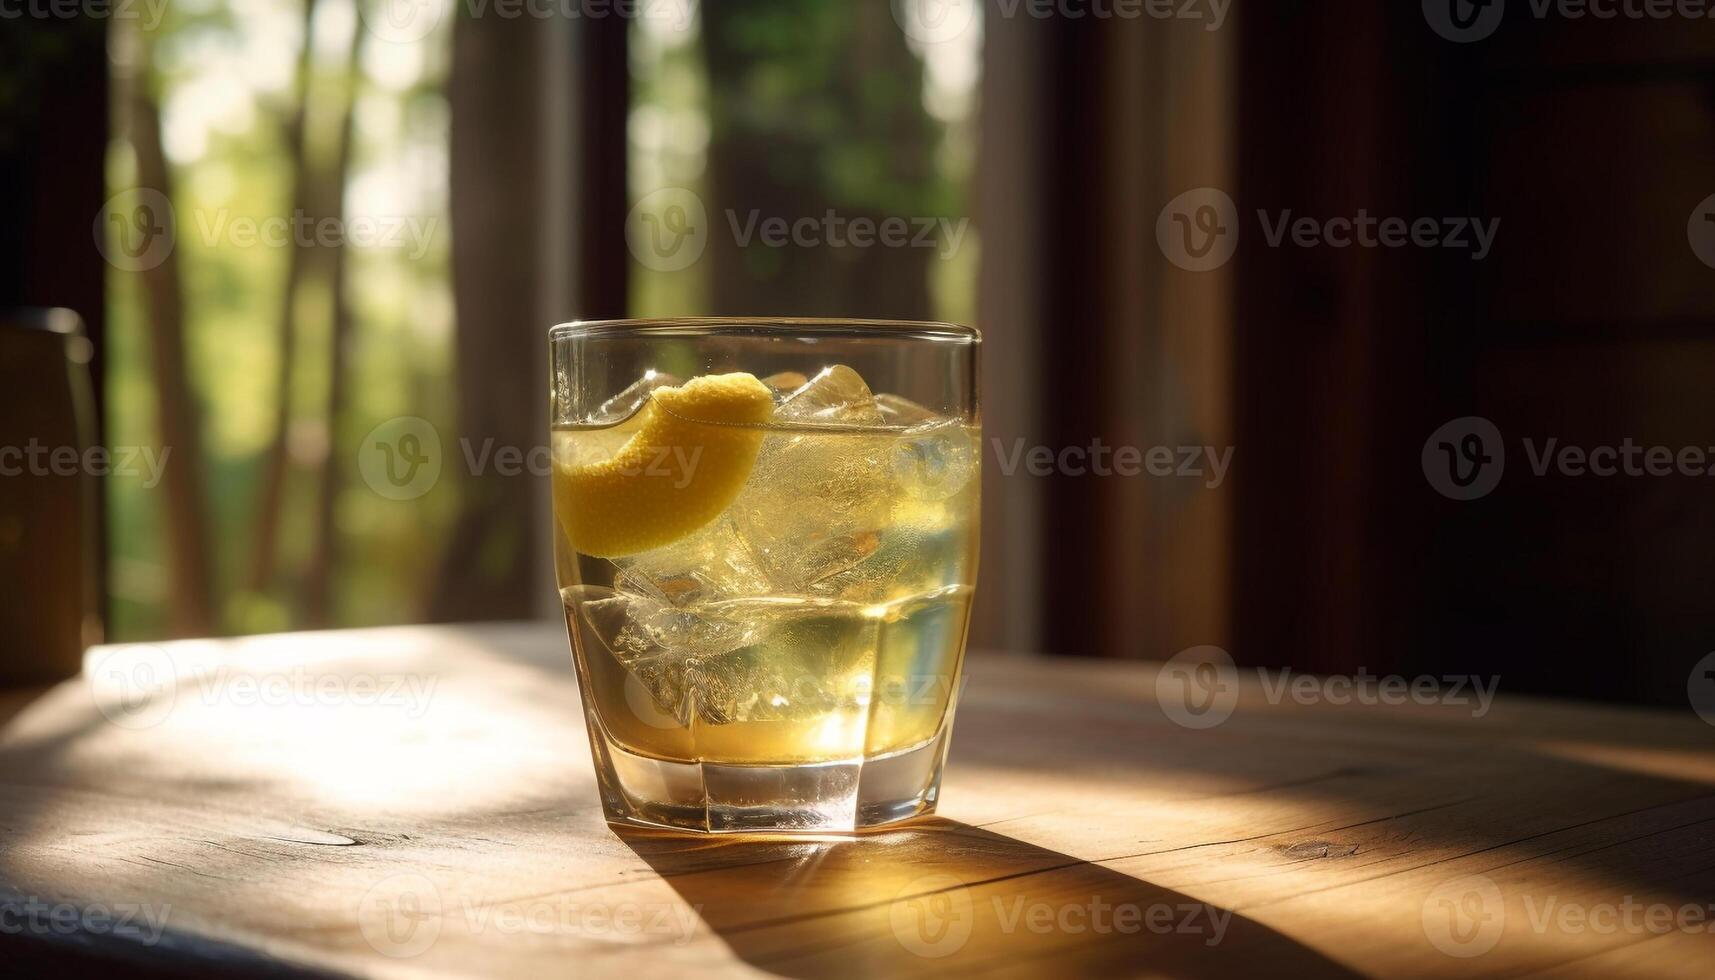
(224, 101)
(224, 135)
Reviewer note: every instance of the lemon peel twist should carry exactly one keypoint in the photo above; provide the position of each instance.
(686, 464)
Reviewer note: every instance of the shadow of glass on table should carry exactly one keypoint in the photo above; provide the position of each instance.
(940, 897)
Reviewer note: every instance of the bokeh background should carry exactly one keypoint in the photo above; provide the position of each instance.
(488, 173)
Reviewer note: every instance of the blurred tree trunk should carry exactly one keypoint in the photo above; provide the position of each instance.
(324, 554)
(816, 106)
(271, 481)
(496, 210)
(180, 426)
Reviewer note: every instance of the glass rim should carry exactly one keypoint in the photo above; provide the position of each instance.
(764, 326)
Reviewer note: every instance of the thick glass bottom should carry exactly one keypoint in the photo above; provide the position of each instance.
(715, 798)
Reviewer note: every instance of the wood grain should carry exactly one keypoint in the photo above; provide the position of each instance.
(420, 801)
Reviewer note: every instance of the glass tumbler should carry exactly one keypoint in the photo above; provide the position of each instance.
(765, 537)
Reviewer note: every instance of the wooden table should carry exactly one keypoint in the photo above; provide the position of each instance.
(419, 801)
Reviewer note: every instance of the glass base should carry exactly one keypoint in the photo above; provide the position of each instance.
(714, 798)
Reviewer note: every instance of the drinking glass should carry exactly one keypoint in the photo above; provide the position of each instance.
(765, 537)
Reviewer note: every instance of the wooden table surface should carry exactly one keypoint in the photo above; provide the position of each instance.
(420, 801)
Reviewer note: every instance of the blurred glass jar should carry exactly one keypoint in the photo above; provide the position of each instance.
(49, 514)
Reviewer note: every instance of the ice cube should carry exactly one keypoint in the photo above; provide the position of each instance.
(785, 383)
(711, 565)
(817, 510)
(693, 663)
(899, 411)
(821, 514)
(627, 403)
(935, 460)
(835, 395)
